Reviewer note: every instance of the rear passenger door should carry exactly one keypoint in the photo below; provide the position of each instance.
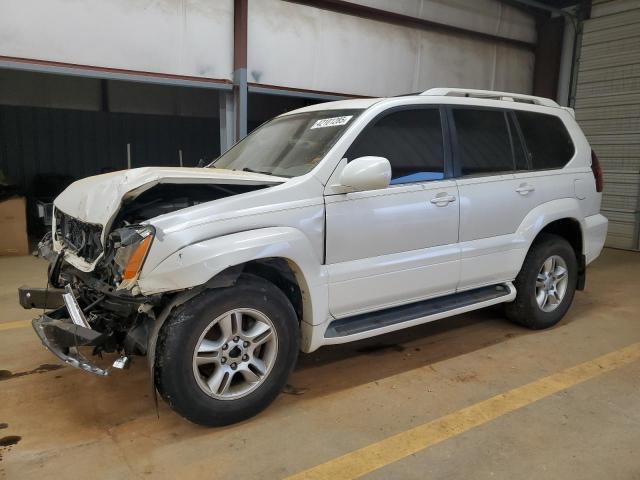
(493, 202)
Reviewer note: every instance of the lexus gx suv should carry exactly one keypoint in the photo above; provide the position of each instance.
(328, 224)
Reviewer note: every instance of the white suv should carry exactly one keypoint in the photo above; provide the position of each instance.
(328, 224)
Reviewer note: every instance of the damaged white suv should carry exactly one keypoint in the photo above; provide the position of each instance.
(328, 224)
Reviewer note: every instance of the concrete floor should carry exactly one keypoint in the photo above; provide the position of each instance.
(62, 423)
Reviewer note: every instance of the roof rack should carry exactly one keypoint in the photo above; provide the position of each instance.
(490, 95)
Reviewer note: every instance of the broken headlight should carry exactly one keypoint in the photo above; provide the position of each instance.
(132, 244)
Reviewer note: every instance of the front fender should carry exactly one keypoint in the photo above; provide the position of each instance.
(196, 264)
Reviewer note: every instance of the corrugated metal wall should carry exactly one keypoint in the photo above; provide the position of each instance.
(608, 109)
(36, 140)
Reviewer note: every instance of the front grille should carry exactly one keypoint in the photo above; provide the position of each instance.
(83, 239)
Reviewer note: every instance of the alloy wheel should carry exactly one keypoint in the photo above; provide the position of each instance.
(235, 354)
(551, 283)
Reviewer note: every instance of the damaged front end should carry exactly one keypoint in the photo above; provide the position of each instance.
(100, 238)
(95, 313)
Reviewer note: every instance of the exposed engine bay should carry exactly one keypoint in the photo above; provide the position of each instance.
(166, 198)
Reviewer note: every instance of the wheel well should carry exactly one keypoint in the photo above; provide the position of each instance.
(279, 272)
(569, 229)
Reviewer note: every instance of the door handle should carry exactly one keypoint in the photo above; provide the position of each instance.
(443, 200)
(525, 188)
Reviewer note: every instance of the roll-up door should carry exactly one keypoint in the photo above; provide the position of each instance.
(608, 109)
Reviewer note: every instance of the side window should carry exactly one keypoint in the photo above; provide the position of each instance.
(410, 139)
(547, 140)
(484, 145)
(519, 152)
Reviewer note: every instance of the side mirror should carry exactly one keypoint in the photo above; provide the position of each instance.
(366, 173)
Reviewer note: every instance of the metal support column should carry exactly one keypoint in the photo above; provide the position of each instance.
(240, 101)
(227, 121)
(240, 92)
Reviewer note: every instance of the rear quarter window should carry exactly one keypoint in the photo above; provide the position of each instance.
(547, 140)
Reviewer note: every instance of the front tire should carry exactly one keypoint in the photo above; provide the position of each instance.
(225, 355)
(546, 283)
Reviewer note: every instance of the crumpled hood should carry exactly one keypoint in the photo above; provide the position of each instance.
(97, 199)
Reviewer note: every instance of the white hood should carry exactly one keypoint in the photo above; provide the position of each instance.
(97, 199)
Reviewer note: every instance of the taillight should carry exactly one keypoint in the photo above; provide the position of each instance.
(597, 171)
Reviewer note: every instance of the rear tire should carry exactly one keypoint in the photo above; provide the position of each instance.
(546, 283)
(226, 354)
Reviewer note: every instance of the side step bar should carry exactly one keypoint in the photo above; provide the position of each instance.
(395, 318)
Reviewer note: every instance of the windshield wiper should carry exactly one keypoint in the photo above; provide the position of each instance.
(247, 169)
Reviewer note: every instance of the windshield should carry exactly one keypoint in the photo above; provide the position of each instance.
(288, 146)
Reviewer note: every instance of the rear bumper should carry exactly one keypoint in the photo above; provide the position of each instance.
(62, 337)
(595, 234)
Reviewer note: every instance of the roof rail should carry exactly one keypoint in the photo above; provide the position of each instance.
(490, 95)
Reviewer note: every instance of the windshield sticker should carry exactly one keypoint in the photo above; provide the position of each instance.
(332, 122)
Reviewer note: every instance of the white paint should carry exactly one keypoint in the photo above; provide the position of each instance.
(595, 233)
(384, 247)
(290, 45)
(97, 199)
(486, 16)
(187, 37)
(390, 246)
(366, 173)
(303, 47)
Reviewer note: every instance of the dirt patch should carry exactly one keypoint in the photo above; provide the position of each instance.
(381, 348)
(291, 390)
(46, 367)
(466, 377)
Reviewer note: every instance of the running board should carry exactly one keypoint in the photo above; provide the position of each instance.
(395, 318)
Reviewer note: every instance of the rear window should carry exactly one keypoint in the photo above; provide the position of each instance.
(547, 140)
(483, 141)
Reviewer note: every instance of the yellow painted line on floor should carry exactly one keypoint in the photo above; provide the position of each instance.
(14, 325)
(394, 448)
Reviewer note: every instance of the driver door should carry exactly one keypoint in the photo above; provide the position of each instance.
(395, 245)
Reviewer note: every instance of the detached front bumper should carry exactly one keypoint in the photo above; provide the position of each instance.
(62, 337)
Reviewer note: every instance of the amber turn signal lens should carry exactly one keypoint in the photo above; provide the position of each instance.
(136, 259)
